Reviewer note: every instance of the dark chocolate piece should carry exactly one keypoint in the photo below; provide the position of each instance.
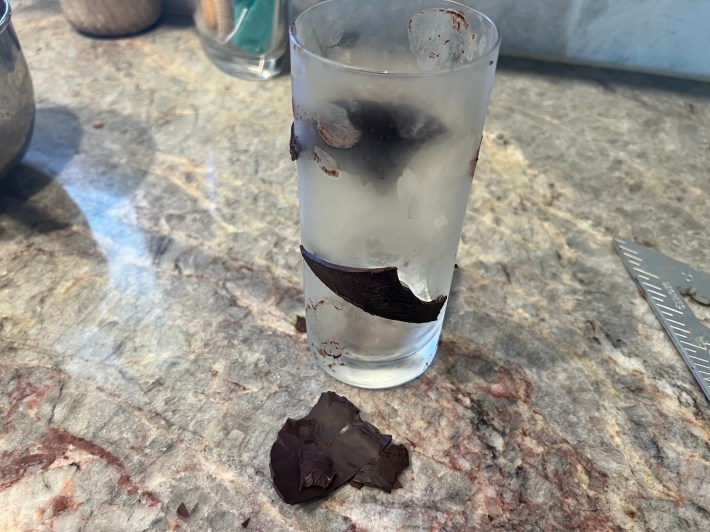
(182, 511)
(332, 428)
(377, 291)
(245, 523)
(300, 324)
(375, 140)
(293, 146)
(472, 164)
(382, 471)
(316, 469)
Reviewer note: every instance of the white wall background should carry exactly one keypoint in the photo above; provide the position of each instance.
(662, 36)
(669, 37)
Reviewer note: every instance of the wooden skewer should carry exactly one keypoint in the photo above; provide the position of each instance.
(209, 13)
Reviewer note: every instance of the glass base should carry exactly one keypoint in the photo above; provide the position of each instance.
(380, 374)
(250, 67)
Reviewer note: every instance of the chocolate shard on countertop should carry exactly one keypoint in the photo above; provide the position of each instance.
(377, 291)
(182, 511)
(332, 428)
(383, 471)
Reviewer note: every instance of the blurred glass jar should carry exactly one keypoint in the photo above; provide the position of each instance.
(17, 104)
(109, 18)
(245, 38)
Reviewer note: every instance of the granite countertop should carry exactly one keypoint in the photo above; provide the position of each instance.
(150, 278)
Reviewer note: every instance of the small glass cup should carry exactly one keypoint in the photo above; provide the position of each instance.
(389, 102)
(244, 38)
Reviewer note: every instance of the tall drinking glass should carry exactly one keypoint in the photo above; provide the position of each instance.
(389, 102)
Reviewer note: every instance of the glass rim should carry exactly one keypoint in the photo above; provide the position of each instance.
(363, 70)
(5, 13)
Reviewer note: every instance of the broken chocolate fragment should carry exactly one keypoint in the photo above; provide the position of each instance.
(382, 471)
(182, 511)
(245, 523)
(300, 324)
(377, 291)
(316, 469)
(472, 164)
(332, 428)
(293, 146)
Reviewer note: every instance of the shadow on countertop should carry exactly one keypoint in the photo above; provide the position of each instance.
(176, 20)
(606, 77)
(16, 193)
(27, 180)
(102, 163)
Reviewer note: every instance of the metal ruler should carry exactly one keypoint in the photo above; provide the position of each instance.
(662, 281)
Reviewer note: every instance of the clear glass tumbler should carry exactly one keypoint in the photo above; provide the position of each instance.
(245, 38)
(389, 103)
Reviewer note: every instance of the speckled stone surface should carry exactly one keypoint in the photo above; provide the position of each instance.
(150, 278)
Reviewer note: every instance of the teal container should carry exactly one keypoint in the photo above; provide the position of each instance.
(245, 38)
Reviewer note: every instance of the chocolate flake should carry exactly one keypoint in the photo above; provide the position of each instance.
(293, 146)
(245, 523)
(382, 471)
(472, 164)
(377, 291)
(182, 511)
(332, 428)
(300, 324)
